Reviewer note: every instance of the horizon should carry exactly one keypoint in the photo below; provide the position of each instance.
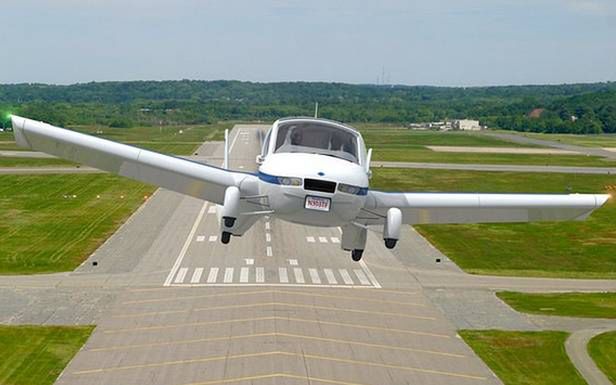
(607, 82)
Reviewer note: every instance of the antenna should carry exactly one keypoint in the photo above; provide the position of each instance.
(316, 110)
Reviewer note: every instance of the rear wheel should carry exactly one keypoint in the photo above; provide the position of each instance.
(225, 237)
(356, 255)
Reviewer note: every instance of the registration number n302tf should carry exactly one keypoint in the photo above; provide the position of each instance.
(317, 203)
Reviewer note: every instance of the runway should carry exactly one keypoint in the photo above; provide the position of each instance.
(282, 304)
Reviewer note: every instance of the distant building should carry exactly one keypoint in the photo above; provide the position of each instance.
(466, 125)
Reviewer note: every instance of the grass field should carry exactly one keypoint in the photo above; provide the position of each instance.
(179, 140)
(35, 239)
(525, 358)
(587, 305)
(565, 249)
(602, 349)
(33, 162)
(409, 146)
(36, 355)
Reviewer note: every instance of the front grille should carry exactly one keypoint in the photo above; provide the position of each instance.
(319, 185)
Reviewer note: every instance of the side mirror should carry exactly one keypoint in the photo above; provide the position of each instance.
(260, 159)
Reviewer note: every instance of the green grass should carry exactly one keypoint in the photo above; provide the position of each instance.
(525, 358)
(166, 139)
(42, 231)
(409, 146)
(587, 305)
(36, 355)
(602, 349)
(388, 137)
(566, 249)
(179, 140)
(34, 162)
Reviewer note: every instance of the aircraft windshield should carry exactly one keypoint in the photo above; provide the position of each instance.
(310, 137)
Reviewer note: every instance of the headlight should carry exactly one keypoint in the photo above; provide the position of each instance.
(347, 188)
(287, 181)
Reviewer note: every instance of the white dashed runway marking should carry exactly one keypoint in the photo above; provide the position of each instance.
(211, 278)
(228, 275)
(196, 277)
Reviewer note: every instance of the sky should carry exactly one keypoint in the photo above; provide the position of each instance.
(428, 42)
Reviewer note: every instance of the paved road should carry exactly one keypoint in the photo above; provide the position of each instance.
(282, 304)
(498, 167)
(576, 347)
(592, 151)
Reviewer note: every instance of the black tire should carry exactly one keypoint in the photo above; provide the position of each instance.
(225, 237)
(390, 243)
(356, 255)
(229, 221)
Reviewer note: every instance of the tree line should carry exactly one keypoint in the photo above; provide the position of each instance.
(574, 108)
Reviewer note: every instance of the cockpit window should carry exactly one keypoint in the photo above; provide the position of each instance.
(316, 138)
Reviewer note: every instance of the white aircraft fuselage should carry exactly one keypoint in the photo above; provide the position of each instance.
(317, 189)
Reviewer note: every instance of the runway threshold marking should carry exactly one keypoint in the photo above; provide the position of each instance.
(284, 354)
(282, 304)
(196, 277)
(278, 334)
(277, 318)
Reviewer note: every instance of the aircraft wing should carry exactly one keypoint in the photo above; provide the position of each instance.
(424, 208)
(181, 175)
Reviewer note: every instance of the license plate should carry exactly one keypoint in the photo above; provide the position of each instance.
(317, 203)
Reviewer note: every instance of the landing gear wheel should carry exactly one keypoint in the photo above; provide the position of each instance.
(229, 221)
(225, 237)
(356, 255)
(390, 243)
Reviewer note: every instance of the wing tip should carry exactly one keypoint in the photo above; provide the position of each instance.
(19, 125)
(601, 199)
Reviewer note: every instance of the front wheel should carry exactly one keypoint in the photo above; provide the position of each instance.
(356, 255)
